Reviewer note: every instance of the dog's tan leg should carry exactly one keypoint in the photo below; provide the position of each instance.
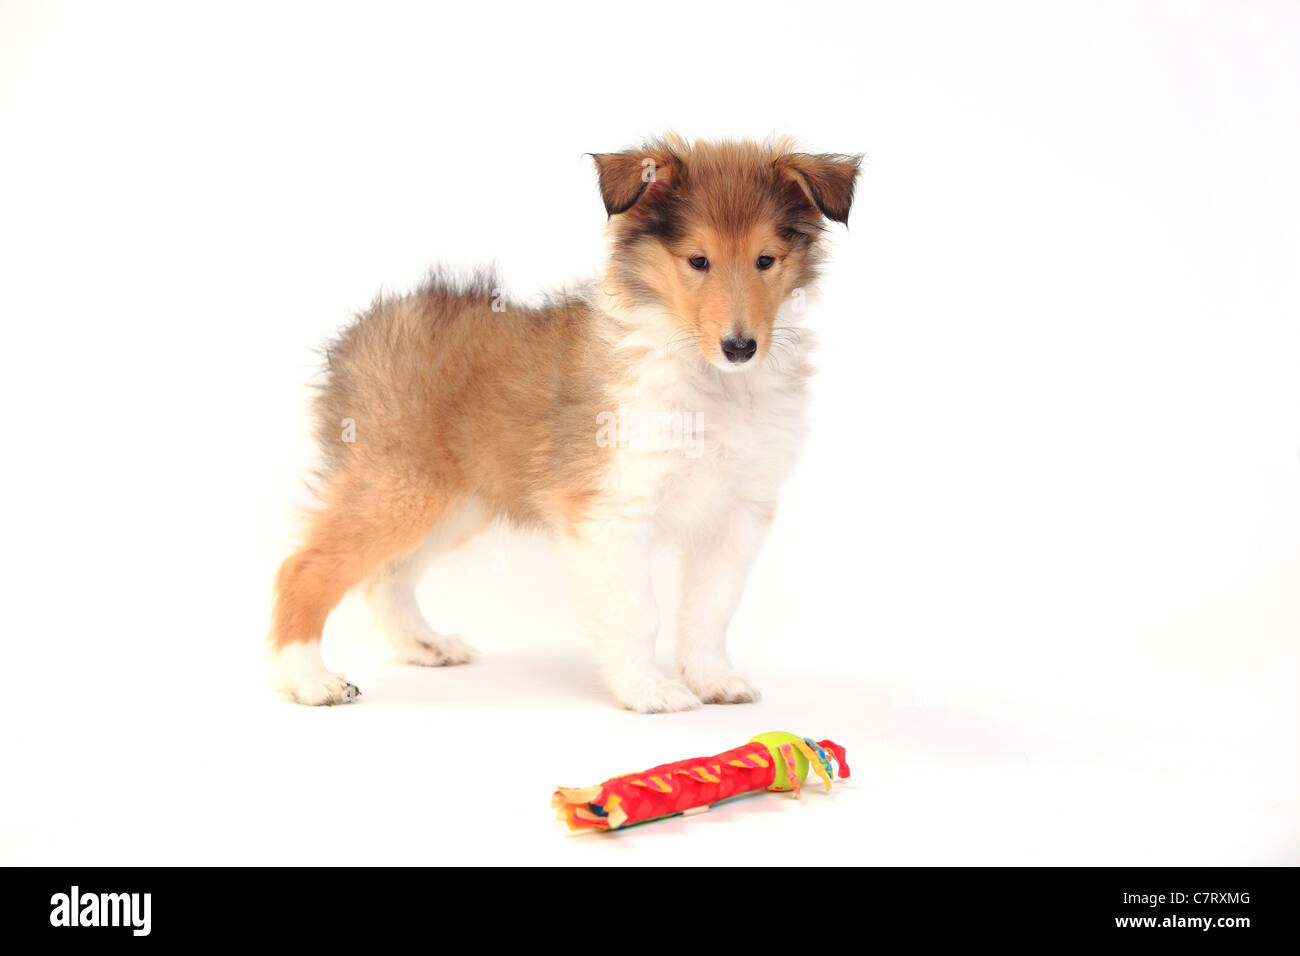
(362, 526)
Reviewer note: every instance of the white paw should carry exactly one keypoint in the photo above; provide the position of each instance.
(656, 695)
(301, 674)
(437, 651)
(324, 689)
(723, 686)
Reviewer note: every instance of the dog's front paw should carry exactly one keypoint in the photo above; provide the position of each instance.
(437, 651)
(326, 688)
(721, 685)
(653, 694)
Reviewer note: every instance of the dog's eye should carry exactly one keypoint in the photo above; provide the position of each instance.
(765, 262)
(698, 262)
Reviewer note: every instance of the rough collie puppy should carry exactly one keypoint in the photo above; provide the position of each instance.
(666, 402)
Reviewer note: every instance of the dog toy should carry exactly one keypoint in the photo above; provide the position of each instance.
(773, 761)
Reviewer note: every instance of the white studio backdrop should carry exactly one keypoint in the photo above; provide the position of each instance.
(1039, 569)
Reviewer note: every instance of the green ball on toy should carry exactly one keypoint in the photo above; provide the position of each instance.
(773, 741)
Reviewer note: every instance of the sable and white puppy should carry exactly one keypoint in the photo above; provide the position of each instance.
(666, 402)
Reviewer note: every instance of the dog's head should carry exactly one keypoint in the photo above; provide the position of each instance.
(720, 235)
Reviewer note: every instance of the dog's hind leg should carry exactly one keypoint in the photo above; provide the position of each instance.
(391, 591)
(361, 526)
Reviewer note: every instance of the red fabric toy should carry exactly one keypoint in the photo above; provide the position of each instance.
(772, 761)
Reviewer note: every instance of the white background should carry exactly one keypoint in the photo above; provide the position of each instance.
(1039, 570)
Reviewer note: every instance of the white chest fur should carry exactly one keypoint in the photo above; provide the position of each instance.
(691, 440)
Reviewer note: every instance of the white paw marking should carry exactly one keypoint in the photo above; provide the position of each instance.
(325, 689)
(439, 651)
(722, 687)
(300, 673)
(657, 695)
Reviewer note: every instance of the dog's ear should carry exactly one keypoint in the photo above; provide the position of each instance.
(827, 180)
(628, 176)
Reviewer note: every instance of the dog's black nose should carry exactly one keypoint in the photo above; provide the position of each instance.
(738, 350)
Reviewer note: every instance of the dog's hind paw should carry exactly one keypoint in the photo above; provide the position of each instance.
(440, 651)
(321, 689)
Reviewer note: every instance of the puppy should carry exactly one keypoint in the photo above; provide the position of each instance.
(666, 402)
